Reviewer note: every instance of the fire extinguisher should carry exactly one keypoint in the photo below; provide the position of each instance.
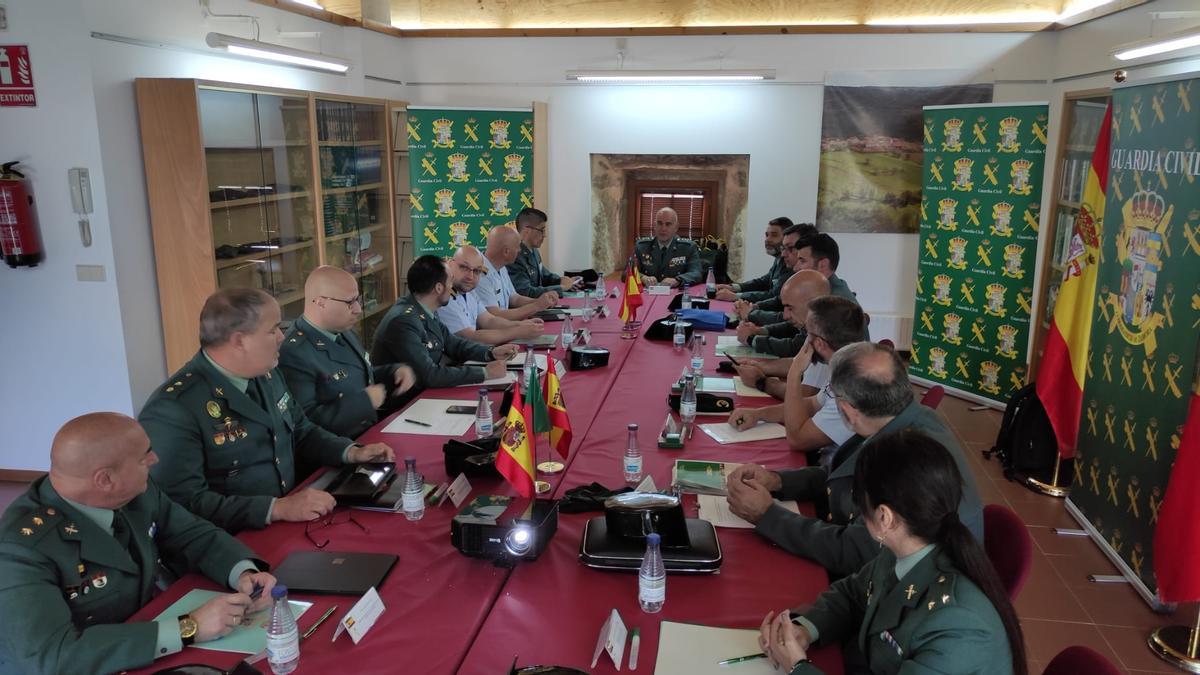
(19, 240)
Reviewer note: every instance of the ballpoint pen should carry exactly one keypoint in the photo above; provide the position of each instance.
(418, 422)
(739, 659)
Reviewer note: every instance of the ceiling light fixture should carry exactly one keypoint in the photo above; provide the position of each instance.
(256, 49)
(669, 76)
(1158, 45)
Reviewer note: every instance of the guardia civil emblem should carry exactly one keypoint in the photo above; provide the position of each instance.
(937, 361)
(457, 164)
(498, 131)
(444, 199)
(499, 202)
(941, 290)
(458, 233)
(443, 133)
(514, 171)
(952, 135)
(1002, 219)
(951, 323)
(979, 131)
(958, 254)
(962, 174)
(1009, 130)
(947, 214)
(1019, 174)
(1006, 341)
(1012, 262)
(1140, 250)
(995, 300)
(989, 377)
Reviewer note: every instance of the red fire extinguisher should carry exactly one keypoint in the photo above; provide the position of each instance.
(19, 240)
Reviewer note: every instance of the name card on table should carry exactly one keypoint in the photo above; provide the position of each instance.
(612, 640)
(361, 616)
(459, 490)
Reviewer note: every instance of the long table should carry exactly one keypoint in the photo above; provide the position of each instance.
(448, 613)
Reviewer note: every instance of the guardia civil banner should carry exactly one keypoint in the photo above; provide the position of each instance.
(470, 170)
(980, 207)
(1142, 356)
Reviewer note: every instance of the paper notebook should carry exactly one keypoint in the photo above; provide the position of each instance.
(701, 476)
(248, 638)
(715, 509)
(724, 434)
(691, 649)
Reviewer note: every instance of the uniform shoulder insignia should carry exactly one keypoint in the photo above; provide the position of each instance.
(32, 526)
(178, 383)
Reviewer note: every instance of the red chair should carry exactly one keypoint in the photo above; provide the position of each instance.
(933, 397)
(887, 343)
(1008, 546)
(1079, 660)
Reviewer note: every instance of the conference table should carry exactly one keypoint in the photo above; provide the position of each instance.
(449, 613)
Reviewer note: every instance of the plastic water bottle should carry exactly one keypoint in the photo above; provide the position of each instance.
(283, 637)
(679, 337)
(697, 353)
(586, 314)
(600, 289)
(413, 497)
(652, 577)
(687, 400)
(529, 373)
(483, 415)
(568, 333)
(632, 462)
(710, 284)
(685, 300)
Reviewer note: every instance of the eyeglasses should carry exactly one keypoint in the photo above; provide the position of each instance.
(477, 271)
(356, 300)
(828, 390)
(540, 230)
(333, 518)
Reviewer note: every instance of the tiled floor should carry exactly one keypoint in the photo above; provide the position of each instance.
(1059, 607)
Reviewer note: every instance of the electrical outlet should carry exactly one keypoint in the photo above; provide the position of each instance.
(89, 272)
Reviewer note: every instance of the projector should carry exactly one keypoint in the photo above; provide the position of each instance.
(523, 537)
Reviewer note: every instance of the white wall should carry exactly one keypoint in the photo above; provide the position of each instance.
(62, 348)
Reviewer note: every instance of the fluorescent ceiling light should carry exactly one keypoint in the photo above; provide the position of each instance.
(1158, 45)
(965, 19)
(264, 50)
(655, 76)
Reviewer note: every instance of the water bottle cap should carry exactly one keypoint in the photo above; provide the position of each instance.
(689, 376)
(653, 538)
(279, 591)
(633, 427)
(410, 461)
(483, 391)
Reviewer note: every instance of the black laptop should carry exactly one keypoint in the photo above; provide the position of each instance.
(335, 572)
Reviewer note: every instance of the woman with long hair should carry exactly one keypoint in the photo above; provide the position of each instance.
(931, 601)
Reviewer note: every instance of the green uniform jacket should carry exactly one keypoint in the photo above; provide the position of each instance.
(68, 586)
(934, 620)
(766, 286)
(840, 543)
(409, 334)
(528, 275)
(782, 338)
(223, 456)
(679, 260)
(329, 378)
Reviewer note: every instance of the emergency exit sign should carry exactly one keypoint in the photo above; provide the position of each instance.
(16, 77)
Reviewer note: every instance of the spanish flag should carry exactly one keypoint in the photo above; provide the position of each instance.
(560, 424)
(1064, 363)
(1177, 534)
(515, 459)
(631, 299)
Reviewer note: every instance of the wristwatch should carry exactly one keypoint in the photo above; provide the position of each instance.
(187, 629)
(761, 383)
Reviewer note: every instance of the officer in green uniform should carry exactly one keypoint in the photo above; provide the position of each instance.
(769, 284)
(231, 439)
(80, 553)
(929, 602)
(665, 258)
(411, 332)
(875, 398)
(529, 277)
(326, 368)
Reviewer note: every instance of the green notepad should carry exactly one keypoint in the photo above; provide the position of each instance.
(248, 638)
(701, 477)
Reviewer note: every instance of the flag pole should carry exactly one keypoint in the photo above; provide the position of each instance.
(1178, 645)
(550, 466)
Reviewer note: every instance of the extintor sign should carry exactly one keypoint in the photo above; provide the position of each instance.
(16, 77)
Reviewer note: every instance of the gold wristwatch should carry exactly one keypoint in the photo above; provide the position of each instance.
(187, 629)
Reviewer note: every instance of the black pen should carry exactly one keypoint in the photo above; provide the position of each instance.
(257, 592)
(418, 423)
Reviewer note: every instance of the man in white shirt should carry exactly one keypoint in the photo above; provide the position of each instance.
(495, 290)
(466, 317)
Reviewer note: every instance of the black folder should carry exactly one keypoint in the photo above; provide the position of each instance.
(335, 572)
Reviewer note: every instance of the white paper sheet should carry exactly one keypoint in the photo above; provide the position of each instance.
(508, 378)
(431, 411)
(724, 434)
(658, 290)
(741, 389)
(690, 649)
(715, 509)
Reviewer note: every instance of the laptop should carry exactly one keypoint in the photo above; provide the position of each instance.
(334, 572)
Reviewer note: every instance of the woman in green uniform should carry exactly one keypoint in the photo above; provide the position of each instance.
(930, 602)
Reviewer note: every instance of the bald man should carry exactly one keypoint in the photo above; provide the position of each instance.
(495, 289)
(465, 317)
(665, 258)
(79, 554)
(327, 370)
